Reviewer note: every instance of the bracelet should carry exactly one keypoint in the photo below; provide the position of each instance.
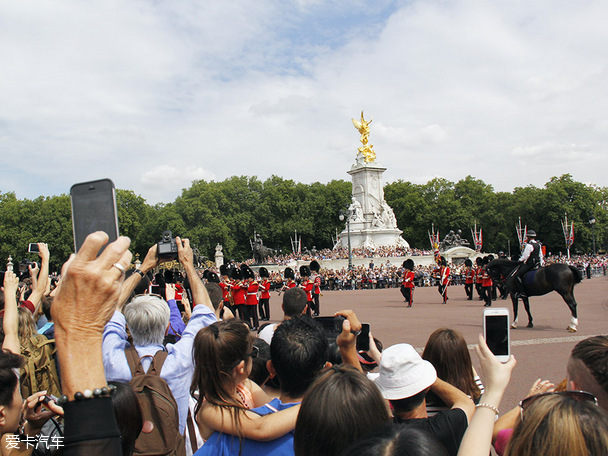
(490, 406)
(140, 272)
(105, 391)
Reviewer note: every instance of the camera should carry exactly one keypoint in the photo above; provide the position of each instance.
(167, 247)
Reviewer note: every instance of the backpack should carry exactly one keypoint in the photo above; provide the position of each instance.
(40, 371)
(160, 434)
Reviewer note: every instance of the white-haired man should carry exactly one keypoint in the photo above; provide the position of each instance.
(147, 317)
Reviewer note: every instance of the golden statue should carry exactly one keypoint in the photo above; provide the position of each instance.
(367, 150)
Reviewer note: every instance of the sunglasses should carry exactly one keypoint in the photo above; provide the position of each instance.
(580, 396)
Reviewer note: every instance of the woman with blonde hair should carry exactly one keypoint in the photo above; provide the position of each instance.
(560, 424)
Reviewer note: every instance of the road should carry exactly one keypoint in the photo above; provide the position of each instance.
(541, 352)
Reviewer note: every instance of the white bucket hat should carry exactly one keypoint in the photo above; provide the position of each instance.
(403, 373)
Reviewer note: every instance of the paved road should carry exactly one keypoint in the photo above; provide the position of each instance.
(541, 351)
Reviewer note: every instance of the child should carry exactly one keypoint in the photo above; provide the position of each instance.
(222, 356)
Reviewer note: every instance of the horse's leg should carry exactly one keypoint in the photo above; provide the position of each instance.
(527, 307)
(514, 300)
(569, 298)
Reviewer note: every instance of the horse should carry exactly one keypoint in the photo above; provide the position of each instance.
(555, 277)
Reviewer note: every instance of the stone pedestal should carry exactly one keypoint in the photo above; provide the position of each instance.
(372, 221)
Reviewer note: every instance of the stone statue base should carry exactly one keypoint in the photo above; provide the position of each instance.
(372, 221)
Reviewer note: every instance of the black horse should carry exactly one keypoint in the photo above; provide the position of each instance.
(555, 277)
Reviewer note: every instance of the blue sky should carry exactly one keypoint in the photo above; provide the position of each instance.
(154, 94)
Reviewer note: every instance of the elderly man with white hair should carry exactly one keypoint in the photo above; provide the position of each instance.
(147, 317)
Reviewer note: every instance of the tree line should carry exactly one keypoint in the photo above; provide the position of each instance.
(228, 212)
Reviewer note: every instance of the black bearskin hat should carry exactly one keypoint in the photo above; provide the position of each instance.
(289, 273)
(304, 271)
(315, 266)
(468, 263)
(409, 264)
(247, 272)
(264, 272)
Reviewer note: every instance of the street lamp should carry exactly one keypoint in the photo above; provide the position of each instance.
(346, 215)
(592, 223)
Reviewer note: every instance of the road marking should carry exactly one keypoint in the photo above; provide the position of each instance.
(548, 340)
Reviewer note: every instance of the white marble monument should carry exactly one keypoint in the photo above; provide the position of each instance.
(372, 221)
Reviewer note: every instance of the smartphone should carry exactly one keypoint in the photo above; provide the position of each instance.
(363, 338)
(93, 209)
(33, 247)
(496, 332)
(332, 327)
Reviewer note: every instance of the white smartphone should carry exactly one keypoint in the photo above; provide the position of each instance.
(496, 332)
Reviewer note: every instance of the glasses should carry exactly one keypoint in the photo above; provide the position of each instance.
(580, 396)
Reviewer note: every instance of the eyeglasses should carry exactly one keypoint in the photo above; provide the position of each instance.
(580, 396)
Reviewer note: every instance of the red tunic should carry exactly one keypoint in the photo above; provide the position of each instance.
(317, 285)
(252, 293)
(238, 293)
(486, 281)
(408, 279)
(469, 276)
(478, 275)
(307, 286)
(225, 286)
(291, 284)
(265, 287)
(444, 276)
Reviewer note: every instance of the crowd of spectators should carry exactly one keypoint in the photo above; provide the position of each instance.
(114, 339)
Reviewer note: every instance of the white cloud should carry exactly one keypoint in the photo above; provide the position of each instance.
(115, 88)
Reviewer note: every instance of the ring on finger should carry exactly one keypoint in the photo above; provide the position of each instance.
(120, 267)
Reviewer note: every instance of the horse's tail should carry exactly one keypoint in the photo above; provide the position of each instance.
(578, 275)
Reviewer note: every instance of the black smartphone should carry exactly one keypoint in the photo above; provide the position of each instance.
(363, 338)
(33, 247)
(93, 209)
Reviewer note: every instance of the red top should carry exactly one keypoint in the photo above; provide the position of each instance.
(469, 275)
(238, 292)
(444, 276)
(252, 293)
(225, 286)
(486, 281)
(478, 275)
(290, 283)
(408, 279)
(307, 286)
(265, 287)
(317, 285)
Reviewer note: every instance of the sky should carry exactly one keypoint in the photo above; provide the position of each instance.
(155, 94)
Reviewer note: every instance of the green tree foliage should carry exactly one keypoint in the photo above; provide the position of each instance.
(228, 212)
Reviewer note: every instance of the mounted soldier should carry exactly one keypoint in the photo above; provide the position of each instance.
(531, 258)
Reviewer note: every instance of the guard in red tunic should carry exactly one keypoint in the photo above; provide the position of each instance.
(444, 279)
(315, 267)
(486, 284)
(469, 278)
(479, 277)
(407, 287)
(225, 286)
(265, 295)
(307, 285)
(289, 279)
(251, 299)
(238, 290)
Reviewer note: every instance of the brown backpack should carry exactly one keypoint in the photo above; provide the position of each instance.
(40, 371)
(160, 434)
